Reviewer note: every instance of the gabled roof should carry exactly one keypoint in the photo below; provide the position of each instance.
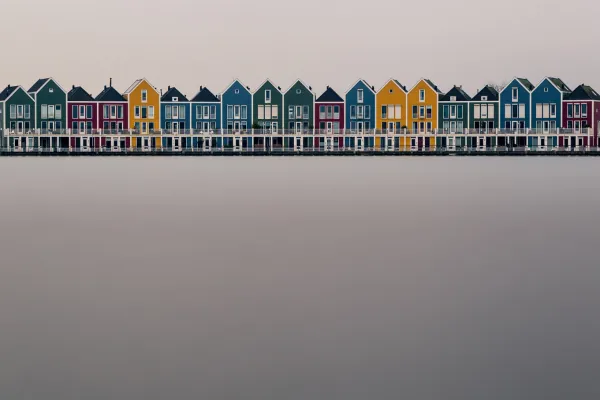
(583, 92)
(329, 96)
(560, 85)
(136, 83)
(525, 82)
(110, 94)
(7, 92)
(490, 92)
(205, 96)
(173, 92)
(309, 88)
(457, 92)
(79, 94)
(264, 83)
(396, 82)
(246, 88)
(432, 85)
(371, 88)
(40, 84)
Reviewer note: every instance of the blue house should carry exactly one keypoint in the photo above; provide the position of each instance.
(546, 105)
(236, 103)
(360, 108)
(206, 111)
(174, 111)
(515, 105)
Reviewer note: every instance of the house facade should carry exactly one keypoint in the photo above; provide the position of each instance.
(581, 112)
(205, 111)
(143, 103)
(483, 111)
(267, 103)
(299, 101)
(82, 111)
(422, 101)
(236, 102)
(174, 111)
(454, 111)
(17, 113)
(50, 105)
(113, 111)
(329, 112)
(360, 108)
(515, 105)
(391, 116)
(546, 105)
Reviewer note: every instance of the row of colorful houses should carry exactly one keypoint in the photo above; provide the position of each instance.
(424, 108)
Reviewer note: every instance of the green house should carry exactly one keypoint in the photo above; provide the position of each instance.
(484, 111)
(16, 110)
(453, 111)
(267, 105)
(299, 101)
(50, 105)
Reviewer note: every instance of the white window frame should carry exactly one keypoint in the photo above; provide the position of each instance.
(144, 96)
(515, 94)
(360, 96)
(421, 95)
(267, 96)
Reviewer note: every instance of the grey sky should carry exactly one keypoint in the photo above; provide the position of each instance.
(187, 43)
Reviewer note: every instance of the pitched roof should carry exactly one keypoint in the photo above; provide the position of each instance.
(173, 92)
(560, 84)
(5, 94)
(433, 85)
(205, 96)
(329, 95)
(401, 85)
(79, 94)
(457, 92)
(136, 83)
(272, 84)
(309, 88)
(38, 85)
(371, 88)
(490, 92)
(525, 82)
(246, 88)
(583, 92)
(110, 94)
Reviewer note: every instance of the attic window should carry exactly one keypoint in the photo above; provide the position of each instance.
(483, 98)
(545, 90)
(175, 98)
(391, 90)
(51, 90)
(237, 91)
(452, 98)
(298, 91)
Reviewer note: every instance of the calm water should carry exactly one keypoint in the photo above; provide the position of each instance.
(300, 278)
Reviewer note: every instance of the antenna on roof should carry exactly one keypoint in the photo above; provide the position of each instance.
(373, 88)
(279, 87)
(110, 80)
(161, 92)
(310, 88)
(248, 87)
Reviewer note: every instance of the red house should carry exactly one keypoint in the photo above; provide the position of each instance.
(581, 111)
(112, 111)
(329, 118)
(82, 111)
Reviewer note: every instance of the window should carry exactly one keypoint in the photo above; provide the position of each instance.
(88, 112)
(360, 112)
(538, 110)
(415, 112)
(336, 112)
(421, 112)
(105, 114)
(384, 112)
(261, 112)
(360, 96)
(268, 113)
(20, 111)
(244, 112)
(570, 110)
(291, 112)
(429, 112)
(236, 91)
(144, 96)
(367, 112)
(521, 110)
(305, 112)
(50, 112)
(27, 111)
(298, 91)
(422, 95)
(74, 112)
(113, 112)
(459, 110)
(545, 110)
(584, 110)
(477, 111)
(137, 111)
(144, 112)
(267, 96)
(508, 111)
(198, 112)
(490, 109)
(119, 111)
(577, 110)
(51, 90)
(168, 112)
(398, 111)
(452, 112)
(275, 111)
(322, 112)
(352, 112)
(515, 94)
(174, 111)
(213, 112)
(82, 112)
(484, 98)
(13, 111)
(484, 111)
(545, 90)
(181, 111)
(452, 98)
(446, 112)
(58, 115)
(515, 111)
(236, 112)
(429, 127)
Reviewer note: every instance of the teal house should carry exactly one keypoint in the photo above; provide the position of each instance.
(453, 111)
(16, 110)
(50, 105)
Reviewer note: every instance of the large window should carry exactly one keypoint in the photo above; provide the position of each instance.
(360, 96)
(515, 94)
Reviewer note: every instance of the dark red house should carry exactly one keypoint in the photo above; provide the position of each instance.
(112, 111)
(329, 118)
(581, 111)
(82, 111)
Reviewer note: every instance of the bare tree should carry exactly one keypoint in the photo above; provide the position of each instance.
(497, 86)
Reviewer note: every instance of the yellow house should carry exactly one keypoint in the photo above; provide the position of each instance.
(391, 111)
(144, 111)
(423, 107)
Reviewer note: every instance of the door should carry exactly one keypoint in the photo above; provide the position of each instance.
(236, 126)
(175, 127)
(176, 144)
(146, 144)
(85, 144)
(237, 144)
(20, 127)
(50, 126)
(515, 126)
(413, 143)
(298, 145)
(390, 144)
(329, 127)
(542, 143)
(116, 144)
(81, 127)
(546, 126)
(206, 142)
(18, 144)
(329, 144)
(481, 143)
(359, 144)
(451, 144)
(360, 127)
(144, 127)
(298, 127)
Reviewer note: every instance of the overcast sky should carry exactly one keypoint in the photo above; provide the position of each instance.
(188, 43)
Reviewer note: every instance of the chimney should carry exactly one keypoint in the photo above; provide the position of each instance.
(73, 86)
(110, 80)
(104, 87)
(200, 87)
(161, 92)
(169, 87)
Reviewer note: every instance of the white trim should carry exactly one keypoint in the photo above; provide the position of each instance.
(231, 84)
(357, 82)
(14, 91)
(519, 82)
(48, 80)
(424, 80)
(263, 84)
(303, 84)
(395, 83)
